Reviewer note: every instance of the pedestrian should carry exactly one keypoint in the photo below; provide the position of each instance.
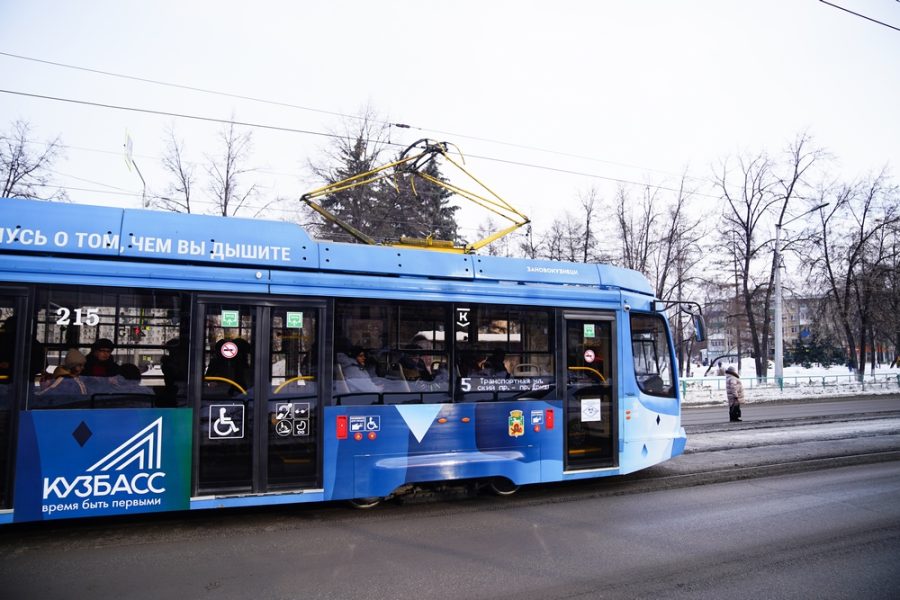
(735, 392)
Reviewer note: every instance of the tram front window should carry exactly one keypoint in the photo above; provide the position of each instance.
(652, 359)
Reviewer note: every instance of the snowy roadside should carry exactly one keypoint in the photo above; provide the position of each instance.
(697, 395)
(799, 384)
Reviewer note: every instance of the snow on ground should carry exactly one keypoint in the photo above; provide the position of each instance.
(799, 383)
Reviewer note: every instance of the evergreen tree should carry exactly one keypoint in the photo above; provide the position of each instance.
(422, 207)
(394, 204)
(359, 206)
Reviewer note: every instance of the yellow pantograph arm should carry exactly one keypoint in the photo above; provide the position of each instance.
(491, 202)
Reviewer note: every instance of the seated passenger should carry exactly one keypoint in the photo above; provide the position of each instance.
(100, 362)
(67, 376)
(174, 367)
(496, 365)
(353, 365)
(477, 366)
(414, 368)
(128, 381)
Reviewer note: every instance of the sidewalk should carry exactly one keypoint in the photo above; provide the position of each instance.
(760, 448)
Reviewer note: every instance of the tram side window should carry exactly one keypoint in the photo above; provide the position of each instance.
(9, 348)
(110, 348)
(503, 353)
(652, 359)
(390, 353)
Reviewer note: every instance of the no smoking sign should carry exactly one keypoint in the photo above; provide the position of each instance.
(229, 350)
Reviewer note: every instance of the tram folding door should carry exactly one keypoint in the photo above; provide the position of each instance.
(14, 364)
(259, 408)
(590, 391)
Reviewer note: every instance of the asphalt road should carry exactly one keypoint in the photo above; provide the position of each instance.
(831, 533)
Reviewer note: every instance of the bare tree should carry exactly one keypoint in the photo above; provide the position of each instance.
(658, 238)
(23, 172)
(675, 259)
(554, 240)
(571, 237)
(675, 246)
(588, 201)
(528, 247)
(887, 304)
(852, 251)
(635, 230)
(227, 171)
(500, 246)
(757, 195)
(177, 197)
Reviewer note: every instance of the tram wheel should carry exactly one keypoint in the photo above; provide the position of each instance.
(502, 486)
(364, 503)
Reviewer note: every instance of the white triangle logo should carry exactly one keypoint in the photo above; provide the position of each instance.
(419, 417)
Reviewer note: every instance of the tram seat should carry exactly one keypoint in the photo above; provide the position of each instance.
(527, 369)
(344, 396)
(340, 383)
(395, 379)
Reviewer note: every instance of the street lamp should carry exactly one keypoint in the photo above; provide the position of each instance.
(779, 327)
(129, 161)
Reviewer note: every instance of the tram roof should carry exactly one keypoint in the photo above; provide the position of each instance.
(45, 228)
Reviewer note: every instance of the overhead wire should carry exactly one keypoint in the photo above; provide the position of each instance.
(328, 112)
(326, 134)
(247, 208)
(862, 16)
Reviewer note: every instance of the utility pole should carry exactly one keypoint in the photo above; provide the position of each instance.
(779, 326)
(737, 302)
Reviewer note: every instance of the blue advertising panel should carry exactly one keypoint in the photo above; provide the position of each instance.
(83, 463)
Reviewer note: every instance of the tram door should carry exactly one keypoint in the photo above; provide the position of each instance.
(13, 366)
(590, 391)
(259, 407)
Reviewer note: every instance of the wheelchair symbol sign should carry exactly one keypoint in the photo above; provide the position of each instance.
(365, 423)
(226, 421)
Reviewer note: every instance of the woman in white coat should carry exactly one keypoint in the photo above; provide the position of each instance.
(734, 389)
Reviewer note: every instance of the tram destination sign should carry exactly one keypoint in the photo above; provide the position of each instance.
(81, 463)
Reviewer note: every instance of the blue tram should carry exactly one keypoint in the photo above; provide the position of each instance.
(156, 361)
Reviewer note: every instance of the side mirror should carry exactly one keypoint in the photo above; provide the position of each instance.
(699, 328)
(684, 307)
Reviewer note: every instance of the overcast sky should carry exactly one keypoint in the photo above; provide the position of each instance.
(584, 92)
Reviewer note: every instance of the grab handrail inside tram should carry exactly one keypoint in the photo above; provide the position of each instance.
(226, 380)
(590, 369)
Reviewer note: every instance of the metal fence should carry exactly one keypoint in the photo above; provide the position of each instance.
(706, 385)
